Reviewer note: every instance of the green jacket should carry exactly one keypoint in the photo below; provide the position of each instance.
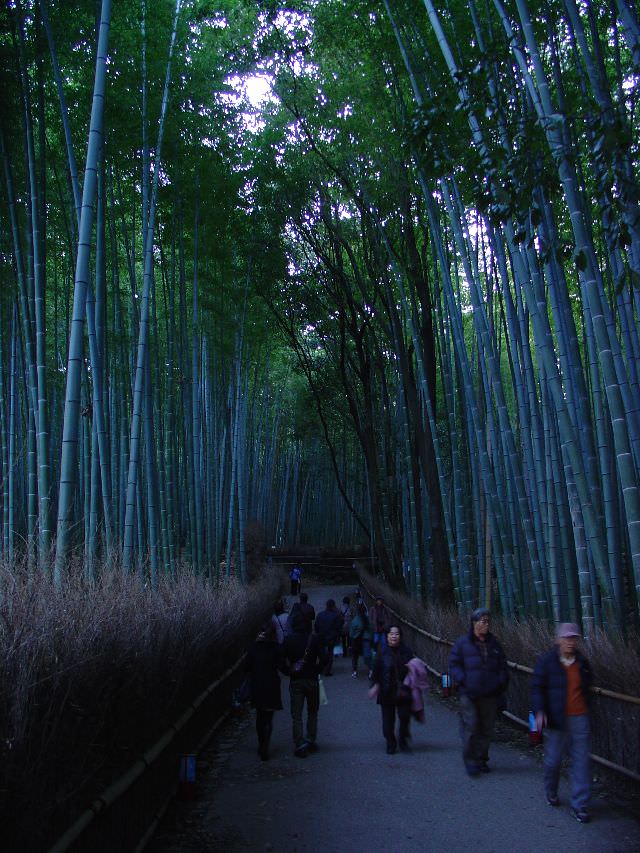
(359, 627)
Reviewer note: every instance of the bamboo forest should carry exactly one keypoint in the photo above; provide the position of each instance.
(328, 273)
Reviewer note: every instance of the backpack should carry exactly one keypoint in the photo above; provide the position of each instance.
(279, 623)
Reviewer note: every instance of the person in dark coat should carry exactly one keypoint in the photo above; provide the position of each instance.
(560, 701)
(389, 672)
(347, 612)
(329, 624)
(307, 611)
(360, 636)
(478, 667)
(305, 660)
(264, 659)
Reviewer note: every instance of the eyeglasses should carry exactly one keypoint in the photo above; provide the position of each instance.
(485, 620)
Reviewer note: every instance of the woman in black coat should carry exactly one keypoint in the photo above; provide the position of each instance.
(389, 672)
(264, 659)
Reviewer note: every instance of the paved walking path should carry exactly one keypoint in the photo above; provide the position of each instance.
(352, 796)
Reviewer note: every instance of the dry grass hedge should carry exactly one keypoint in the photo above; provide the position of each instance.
(92, 675)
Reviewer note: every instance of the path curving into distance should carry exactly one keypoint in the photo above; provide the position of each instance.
(352, 796)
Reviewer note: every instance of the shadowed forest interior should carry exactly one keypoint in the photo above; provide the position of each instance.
(339, 273)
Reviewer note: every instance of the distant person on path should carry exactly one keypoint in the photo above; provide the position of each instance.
(379, 619)
(347, 612)
(329, 628)
(393, 696)
(308, 613)
(307, 610)
(279, 620)
(295, 576)
(264, 659)
(303, 653)
(560, 700)
(360, 636)
(478, 667)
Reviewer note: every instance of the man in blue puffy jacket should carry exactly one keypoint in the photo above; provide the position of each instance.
(478, 667)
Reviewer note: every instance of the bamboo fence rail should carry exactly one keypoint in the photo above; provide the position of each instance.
(120, 787)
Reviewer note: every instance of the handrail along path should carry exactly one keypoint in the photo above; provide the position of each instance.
(118, 822)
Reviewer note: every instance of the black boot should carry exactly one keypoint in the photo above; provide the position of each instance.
(264, 755)
(263, 729)
(403, 739)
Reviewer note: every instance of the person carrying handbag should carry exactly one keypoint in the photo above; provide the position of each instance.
(305, 659)
(347, 612)
(262, 681)
(560, 692)
(388, 688)
(360, 637)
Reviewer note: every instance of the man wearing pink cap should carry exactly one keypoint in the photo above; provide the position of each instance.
(560, 700)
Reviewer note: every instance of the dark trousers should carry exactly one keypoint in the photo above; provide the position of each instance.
(356, 651)
(295, 587)
(327, 653)
(264, 727)
(379, 641)
(301, 690)
(345, 644)
(389, 724)
(477, 719)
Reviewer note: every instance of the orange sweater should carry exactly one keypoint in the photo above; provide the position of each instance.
(576, 703)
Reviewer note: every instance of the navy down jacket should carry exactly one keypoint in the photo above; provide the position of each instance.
(329, 625)
(549, 686)
(476, 674)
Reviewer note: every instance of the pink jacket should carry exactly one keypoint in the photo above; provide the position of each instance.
(417, 680)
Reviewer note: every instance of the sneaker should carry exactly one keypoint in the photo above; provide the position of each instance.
(311, 746)
(553, 799)
(301, 751)
(581, 815)
(473, 770)
(354, 674)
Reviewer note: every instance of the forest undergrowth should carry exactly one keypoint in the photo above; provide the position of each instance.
(615, 662)
(91, 676)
